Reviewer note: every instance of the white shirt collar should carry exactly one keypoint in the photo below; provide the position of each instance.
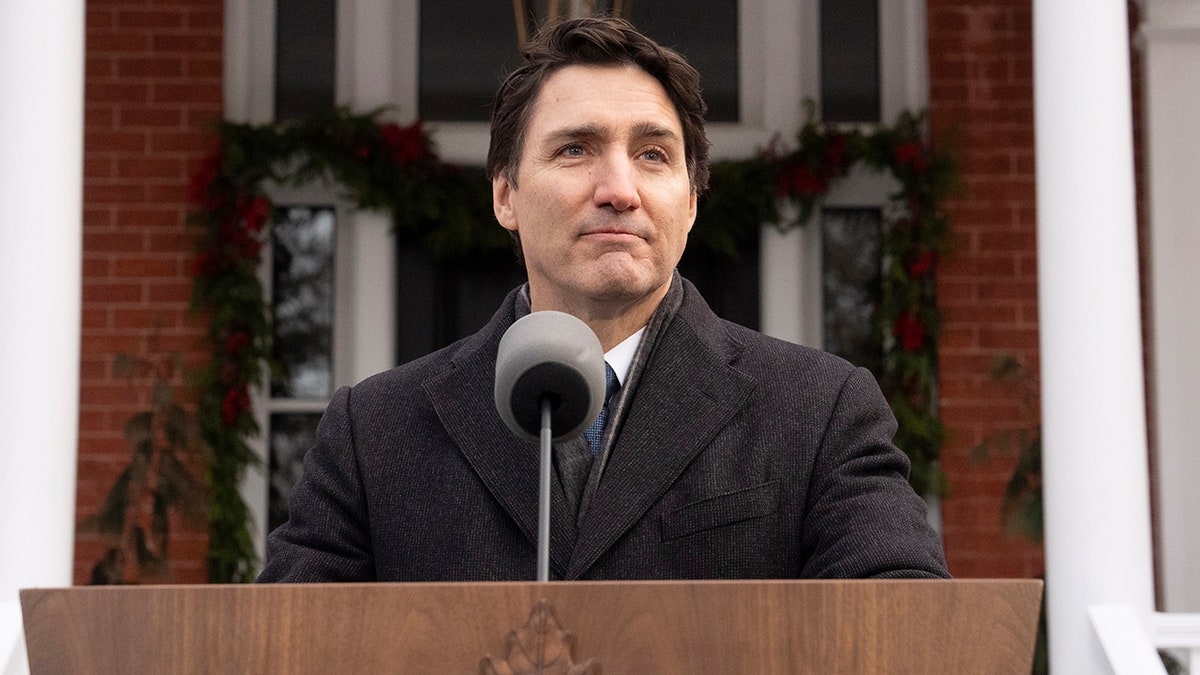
(621, 356)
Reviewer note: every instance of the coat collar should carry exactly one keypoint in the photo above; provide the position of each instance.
(666, 427)
(463, 397)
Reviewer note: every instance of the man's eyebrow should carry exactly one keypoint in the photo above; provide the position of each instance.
(589, 131)
(652, 130)
(576, 133)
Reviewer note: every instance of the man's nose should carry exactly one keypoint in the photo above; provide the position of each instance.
(616, 184)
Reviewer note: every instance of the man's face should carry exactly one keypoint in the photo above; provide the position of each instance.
(602, 200)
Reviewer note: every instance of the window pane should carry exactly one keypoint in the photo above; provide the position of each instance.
(440, 301)
(707, 34)
(302, 298)
(730, 286)
(305, 44)
(292, 434)
(467, 47)
(850, 61)
(851, 243)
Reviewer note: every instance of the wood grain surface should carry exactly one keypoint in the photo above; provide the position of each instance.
(926, 627)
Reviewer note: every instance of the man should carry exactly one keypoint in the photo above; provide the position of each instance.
(726, 454)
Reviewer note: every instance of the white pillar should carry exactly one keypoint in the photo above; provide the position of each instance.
(367, 40)
(41, 174)
(785, 258)
(783, 296)
(1098, 546)
(1171, 34)
(248, 74)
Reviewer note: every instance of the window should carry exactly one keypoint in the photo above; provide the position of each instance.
(290, 436)
(444, 301)
(466, 48)
(305, 48)
(302, 300)
(851, 242)
(302, 248)
(850, 61)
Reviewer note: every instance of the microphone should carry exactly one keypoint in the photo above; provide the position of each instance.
(549, 356)
(549, 376)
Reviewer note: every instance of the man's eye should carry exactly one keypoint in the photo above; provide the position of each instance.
(655, 155)
(572, 151)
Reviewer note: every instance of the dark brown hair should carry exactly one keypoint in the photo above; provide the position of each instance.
(594, 41)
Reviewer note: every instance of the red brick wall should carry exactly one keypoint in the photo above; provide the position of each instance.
(981, 94)
(153, 90)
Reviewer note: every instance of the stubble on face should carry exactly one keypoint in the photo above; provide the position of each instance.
(604, 202)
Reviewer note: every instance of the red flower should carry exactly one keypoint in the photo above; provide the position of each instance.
(255, 212)
(799, 180)
(250, 248)
(912, 155)
(200, 189)
(244, 244)
(835, 155)
(909, 331)
(918, 266)
(236, 402)
(407, 144)
(205, 264)
(237, 341)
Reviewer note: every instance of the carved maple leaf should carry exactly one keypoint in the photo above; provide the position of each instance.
(540, 647)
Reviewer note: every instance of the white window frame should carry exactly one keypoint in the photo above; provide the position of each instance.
(791, 294)
(364, 272)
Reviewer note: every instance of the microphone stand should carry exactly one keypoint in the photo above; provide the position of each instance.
(553, 361)
(543, 557)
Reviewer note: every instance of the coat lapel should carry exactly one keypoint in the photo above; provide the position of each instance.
(464, 400)
(687, 394)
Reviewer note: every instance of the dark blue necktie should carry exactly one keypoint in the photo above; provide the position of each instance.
(595, 433)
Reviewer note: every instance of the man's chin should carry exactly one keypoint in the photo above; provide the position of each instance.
(611, 281)
(617, 288)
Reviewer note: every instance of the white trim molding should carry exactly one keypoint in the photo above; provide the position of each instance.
(1170, 36)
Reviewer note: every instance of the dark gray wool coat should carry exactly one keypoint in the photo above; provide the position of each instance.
(739, 456)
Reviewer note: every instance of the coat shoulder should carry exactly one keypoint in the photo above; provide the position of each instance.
(772, 361)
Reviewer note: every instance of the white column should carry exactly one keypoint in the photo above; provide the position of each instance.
(248, 78)
(1098, 547)
(1171, 38)
(787, 68)
(41, 174)
(248, 75)
(786, 260)
(369, 77)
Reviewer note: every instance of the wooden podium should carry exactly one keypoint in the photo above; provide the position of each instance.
(727, 627)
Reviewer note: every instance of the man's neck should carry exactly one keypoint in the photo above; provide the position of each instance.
(611, 321)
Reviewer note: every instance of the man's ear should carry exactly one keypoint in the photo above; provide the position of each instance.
(692, 206)
(502, 192)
